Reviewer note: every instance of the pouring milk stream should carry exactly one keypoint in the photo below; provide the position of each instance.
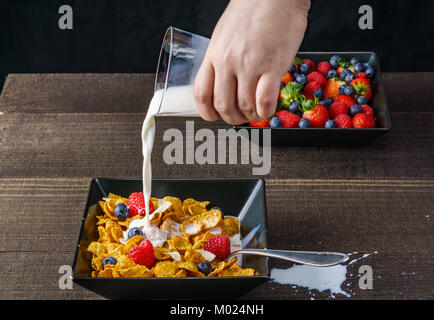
(176, 101)
(180, 58)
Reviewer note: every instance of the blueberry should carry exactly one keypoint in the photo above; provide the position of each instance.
(349, 90)
(275, 123)
(327, 102)
(319, 93)
(370, 72)
(294, 107)
(108, 260)
(344, 73)
(292, 68)
(334, 61)
(282, 84)
(354, 60)
(361, 100)
(304, 68)
(295, 75)
(134, 232)
(121, 211)
(301, 78)
(304, 123)
(204, 267)
(330, 124)
(358, 67)
(355, 109)
(349, 77)
(367, 65)
(220, 208)
(332, 73)
(342, 88)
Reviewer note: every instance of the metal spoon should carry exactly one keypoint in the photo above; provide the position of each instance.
(311, 258)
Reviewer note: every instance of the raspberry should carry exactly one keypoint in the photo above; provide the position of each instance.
(219, 245)
(318, 77)
(288, 119)
(310, 63)
(136, 204)
(337, 108)
(343, 121)
(143, 254)
(361, 75)
(323, 67)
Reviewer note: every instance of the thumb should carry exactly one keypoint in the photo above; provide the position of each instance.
(267, 92)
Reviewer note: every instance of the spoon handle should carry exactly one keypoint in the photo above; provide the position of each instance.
(312, 258)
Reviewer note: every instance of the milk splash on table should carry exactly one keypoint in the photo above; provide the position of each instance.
(318, 279)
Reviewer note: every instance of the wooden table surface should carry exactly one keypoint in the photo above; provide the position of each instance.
(58, 131)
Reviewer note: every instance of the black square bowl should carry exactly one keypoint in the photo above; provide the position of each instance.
(244, 198)
(337, 137)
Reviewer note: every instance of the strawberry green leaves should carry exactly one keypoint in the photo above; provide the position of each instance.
(297, 60)
(307, 104)
(289, 94)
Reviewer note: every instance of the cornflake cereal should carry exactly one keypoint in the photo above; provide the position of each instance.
(179, 231)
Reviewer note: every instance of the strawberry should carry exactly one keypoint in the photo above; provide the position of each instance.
(367, 110)
(287, 77)
(219, 245)
(337, 108)
(316, 113)
(323, 67)
(317, 116)
(289, 94)
(362, 120)
(143, 254)
(310, 88)
(362, 87)
(310, 63)
(317, 77)
(331, 89)
(343, 121)
(260, 124)
(288, 119)
(136, 204)
(346, 99)
(362, 75)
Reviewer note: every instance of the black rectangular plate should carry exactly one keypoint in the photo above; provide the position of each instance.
(243, 198)
(337, 137)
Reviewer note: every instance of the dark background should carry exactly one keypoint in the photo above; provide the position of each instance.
(125, 35)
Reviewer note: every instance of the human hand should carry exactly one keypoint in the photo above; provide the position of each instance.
(252, 46)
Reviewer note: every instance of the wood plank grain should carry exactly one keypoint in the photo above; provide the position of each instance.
(35, 276)
(108, 144)
(132, 92)
(77, 92)
(48, 215)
